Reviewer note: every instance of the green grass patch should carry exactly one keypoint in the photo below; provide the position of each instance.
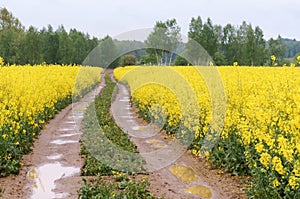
(110, 156)
(118, 186)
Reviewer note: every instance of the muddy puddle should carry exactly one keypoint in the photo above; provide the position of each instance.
(199, 190)
(55, 156)
(60, 142)
(157, 144)
(184, 173)
(43, 179)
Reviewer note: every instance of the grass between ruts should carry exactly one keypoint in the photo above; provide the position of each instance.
(100, 134)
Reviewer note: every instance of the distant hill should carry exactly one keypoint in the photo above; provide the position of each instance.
(292, 47)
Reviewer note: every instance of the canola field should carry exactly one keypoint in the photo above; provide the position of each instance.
(243, 119)
(29, 97)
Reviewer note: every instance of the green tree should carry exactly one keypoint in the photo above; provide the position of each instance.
(50, 45)
(254, 49)
(32, 46)
(136, 48)
(81, 46)
(260, 47)
(8, 21)
(292, 47)
(180, 61)
(174, 37)
(66, 48)
(242, 53)
(198, 43)
(207, 35)
(9, 43)
(148, 60)
(219, 59)
(276, 47)
(104, 55)
(128, 60)
(250, 47)
(196, 54)
(230, 44)
(297, 59)
(209, 39)
(195, 29)
(243, 44)
(163, 41)
(21, 46)
(11, 33)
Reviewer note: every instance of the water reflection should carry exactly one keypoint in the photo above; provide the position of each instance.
(43, 179)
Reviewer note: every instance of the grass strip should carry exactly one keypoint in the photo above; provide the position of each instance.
(100, 134)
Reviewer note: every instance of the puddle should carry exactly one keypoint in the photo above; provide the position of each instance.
(184, 173)
(126, 116)
(54, 157)
(70, 122)
(199, 190)
(66, 129)
(136, 128)
(153, 141)
(61, 195)
(43, 179)
(159, 145)
(156, 143)
(68, 135)
(79, 109)
(78, 116)
(124, 99)
(59, 142)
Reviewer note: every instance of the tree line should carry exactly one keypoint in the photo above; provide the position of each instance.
(31, 46)
(243, 44)
(292, 48)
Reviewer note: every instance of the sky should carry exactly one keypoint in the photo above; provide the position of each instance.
(118, 17)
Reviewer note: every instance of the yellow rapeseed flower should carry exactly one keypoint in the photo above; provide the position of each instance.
(277, 165)
(293, 181)
(262, 109)
(265, 159)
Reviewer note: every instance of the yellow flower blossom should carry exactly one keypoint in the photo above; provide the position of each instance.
(276, 183)
(273, 57)
(265, 159)
(293, 181)
(259, 147)
(262, 109)
(4, 136)
(277, 165)
(30, 96)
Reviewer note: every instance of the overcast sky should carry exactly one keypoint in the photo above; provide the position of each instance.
(114, 17)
